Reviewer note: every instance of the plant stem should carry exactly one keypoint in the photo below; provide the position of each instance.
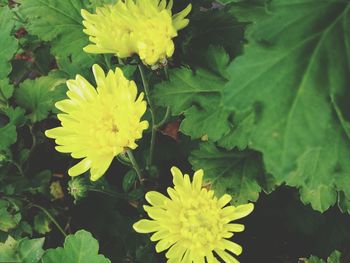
(19, 168)
(44, 210)
(120, 61)
(135, 165)
(167, 113)
(111, 194)
(47, 213)
(166, 116)
(166, 73)
(31, 130)
(151, 108)
(123, 160)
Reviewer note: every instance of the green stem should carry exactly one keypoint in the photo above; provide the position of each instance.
(152, 144)
(19, 168)
(44, 210)
(31, 130)
(120, 61)
(166, 73)
(151, 108)
(123, 160)
(165, 118)
(111, 194)
(135, 165)
(167, 113)
(47, 213)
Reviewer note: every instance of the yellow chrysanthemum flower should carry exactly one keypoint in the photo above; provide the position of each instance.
(98, 124)
(144, 27)
(193, 224)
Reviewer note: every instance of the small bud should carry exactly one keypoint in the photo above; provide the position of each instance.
(78, 187)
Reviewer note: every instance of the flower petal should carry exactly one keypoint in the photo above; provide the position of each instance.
(163, 245)
(156, 198)
(198, 179)
(224, 200)
(231, 246)
(176, 251)
(80, 167)
(226, 256)
(98, 171)
(146, 226)
(234, 227)
(177, 176)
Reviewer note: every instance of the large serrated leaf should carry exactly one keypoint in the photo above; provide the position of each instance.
(61, 23)
(38, 96)
(232, 172)
(197, 96)
(296, 55)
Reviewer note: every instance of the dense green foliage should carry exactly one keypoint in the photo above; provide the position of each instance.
(258, 94)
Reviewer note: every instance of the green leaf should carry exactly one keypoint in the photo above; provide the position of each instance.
(8, 136)
(78, 248)
(15, 115)
(197, 96)
(61, 23)
(39, 96)
(129, 179)
(340, 100)
(23, 251)
(217, 60)
(40, 182)
(6, 91)
(8, 133)
(8, 250)
(30, 250)
(295, 54)
(8, 43)
(98, 3)
(242, 127)
(333, 258)
(232, 172)
(214, 26)
(25, 228)
(8, 219)
(314, 259)
(249, 11)
(42, 223)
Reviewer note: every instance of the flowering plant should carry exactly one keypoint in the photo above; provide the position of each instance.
(102, 100)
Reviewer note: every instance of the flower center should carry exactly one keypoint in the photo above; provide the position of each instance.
(105, 129)
(108, 124)
(200, 223)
